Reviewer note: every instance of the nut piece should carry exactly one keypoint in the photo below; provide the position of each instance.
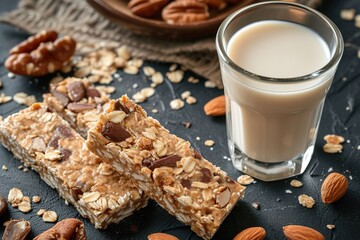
(252, 233)
(36, 58)
(185, 12)
(306, 201)
(333, 188)
(3, 205)
(70, 228)
(50, 216)
(146, 8)
(215, 107)
(161, 236)
(298, 232)
(16, 230)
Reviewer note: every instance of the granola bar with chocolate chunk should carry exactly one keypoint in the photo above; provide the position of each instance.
(165, 166)
(47, 143)
(77, 101)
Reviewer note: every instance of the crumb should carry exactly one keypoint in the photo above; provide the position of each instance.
(209, 143)
(306, 201)
(36, 199)
(347, 14)
(330, 226)
(186, 124)
(210, 84)
(11, 75)
(256, 205)
(296, 183)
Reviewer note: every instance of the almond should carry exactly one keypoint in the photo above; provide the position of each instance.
(298, 232)
(161, 236)
(333, 188)
(215, 107)
(253, 233)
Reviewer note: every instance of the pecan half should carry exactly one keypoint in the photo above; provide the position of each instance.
(185, 12)
(35, 57)
(33, 42)
(146, 8)
(66, 229)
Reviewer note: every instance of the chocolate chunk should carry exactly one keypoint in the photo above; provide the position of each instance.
(76, 192)
(92, 92)
(67, 229)
(80, 107)
(64, 131)
(186, 183)
(223, 198)
(168, 161)
(3, 205)
(146, 162)
(65, 154)
(54, 142)
(206, 175)
(115, 132)
(61, 97)
(119, 106)
(76, 91)
(16, 230)
(197, 155)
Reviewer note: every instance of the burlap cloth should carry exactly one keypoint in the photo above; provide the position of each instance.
(80, 20)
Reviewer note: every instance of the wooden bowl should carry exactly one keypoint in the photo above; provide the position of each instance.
(117, 11)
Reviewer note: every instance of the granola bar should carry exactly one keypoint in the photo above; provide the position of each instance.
(165, 166)
(77, 101)
(47, 143)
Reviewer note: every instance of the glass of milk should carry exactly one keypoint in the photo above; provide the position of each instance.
(277, 62)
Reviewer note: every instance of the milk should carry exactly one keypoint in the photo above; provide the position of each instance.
(275, 121)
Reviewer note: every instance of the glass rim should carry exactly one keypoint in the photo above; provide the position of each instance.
(335, 58)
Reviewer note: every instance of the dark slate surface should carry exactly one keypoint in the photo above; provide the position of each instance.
(341, 115)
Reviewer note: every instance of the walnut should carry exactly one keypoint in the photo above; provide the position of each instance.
(185, 12)
(41, 54)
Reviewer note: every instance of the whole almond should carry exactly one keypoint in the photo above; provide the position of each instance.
(161, 236)
(253, 233)
(215, 107)
(298, 232)
(333, 188)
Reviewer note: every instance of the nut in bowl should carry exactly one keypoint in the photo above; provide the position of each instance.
(177, 20)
